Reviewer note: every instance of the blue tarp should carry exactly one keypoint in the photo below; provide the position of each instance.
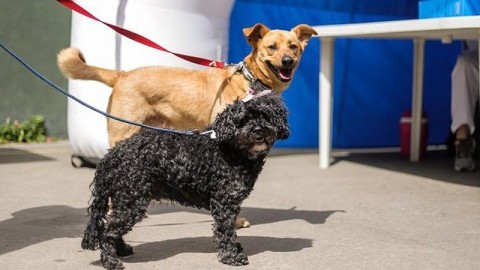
(373, 79)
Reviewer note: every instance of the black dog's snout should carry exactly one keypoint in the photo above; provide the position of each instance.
(257, 133)
(287, 61)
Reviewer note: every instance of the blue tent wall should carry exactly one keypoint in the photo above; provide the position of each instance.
(372, 78)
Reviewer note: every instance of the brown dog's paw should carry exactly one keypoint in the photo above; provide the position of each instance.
(241, 223)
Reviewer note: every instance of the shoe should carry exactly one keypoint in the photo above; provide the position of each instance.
(464, 155)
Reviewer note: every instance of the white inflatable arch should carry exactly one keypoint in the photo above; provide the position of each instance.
(192, 27)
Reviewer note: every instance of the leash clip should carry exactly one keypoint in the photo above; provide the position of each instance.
(251, 96)
(217, 64)
(211, 133)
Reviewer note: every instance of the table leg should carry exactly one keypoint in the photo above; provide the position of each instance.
(417, 96)
(325, 101)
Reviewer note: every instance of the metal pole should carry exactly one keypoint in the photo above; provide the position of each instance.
(417, 96)
(325, 101)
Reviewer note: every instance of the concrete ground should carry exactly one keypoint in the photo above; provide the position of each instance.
(368, 211)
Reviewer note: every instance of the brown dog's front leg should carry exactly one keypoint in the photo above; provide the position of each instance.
(241, 223)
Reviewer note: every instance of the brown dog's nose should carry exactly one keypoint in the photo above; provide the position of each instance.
(287, 61)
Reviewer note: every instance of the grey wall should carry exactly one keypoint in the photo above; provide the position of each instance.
(36, 31)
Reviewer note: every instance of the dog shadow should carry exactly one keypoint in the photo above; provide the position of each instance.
(256, 216)
(161, 250)
(38, 224)
(35, 225)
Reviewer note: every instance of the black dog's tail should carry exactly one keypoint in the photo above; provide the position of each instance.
(98, 212)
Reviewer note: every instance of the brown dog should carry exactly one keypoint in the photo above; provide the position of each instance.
(190, 99)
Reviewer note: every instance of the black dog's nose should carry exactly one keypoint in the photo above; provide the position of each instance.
(257, 133)
(287, 61)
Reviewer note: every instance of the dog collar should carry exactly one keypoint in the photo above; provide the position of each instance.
(256, 86)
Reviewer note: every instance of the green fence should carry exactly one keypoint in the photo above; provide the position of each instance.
(36, 31)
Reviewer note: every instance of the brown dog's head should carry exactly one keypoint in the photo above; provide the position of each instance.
(276, 53)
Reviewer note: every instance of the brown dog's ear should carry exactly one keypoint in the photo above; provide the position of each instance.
(255, 33)
(304, 33)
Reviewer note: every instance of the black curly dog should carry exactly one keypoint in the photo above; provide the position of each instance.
(216, 174)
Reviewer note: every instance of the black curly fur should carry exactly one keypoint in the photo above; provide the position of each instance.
(197, 171)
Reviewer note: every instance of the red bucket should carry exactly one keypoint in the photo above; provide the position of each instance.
(405, 127)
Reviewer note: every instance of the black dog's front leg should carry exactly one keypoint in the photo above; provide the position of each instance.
(229, 251)
(108, 254)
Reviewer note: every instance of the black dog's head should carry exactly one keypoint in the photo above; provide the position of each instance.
(253, 126)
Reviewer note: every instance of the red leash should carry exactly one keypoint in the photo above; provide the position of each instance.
(141, 39)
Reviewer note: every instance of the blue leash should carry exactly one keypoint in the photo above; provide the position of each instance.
(59, 89)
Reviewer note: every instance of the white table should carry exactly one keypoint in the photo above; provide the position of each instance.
(418, 30)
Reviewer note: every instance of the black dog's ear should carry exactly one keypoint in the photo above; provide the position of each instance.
(279, 120)
(278, 114)
(226, 123)
(283, 131)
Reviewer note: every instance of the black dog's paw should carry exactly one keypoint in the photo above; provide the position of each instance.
(112, 264)
(234, 259)
(241, 259)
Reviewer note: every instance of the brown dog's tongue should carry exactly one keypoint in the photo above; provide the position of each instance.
(285, 73)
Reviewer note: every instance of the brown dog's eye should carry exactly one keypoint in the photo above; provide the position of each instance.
(293, 47)
(272, 47)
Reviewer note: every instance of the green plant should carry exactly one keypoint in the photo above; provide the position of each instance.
(32, 130)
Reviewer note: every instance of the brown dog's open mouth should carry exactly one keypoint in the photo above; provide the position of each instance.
(284, 74)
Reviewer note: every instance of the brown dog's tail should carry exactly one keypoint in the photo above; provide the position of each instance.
(72, 64)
